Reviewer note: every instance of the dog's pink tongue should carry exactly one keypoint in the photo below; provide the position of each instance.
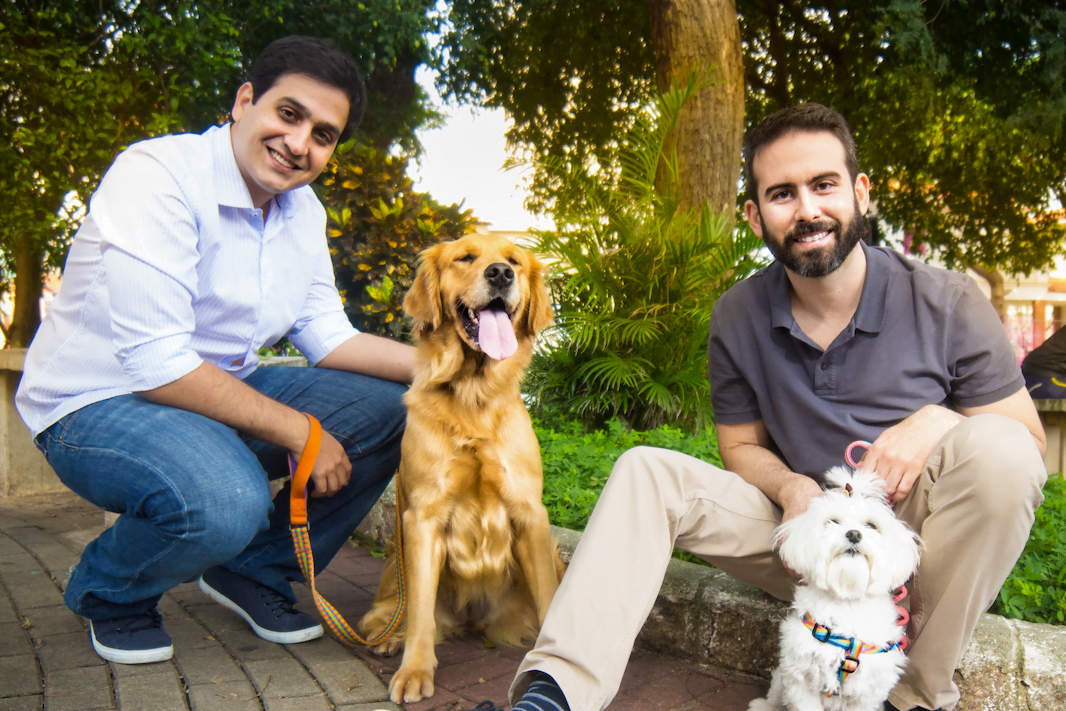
(495, 335)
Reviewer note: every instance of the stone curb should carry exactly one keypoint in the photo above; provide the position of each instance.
(705, 616)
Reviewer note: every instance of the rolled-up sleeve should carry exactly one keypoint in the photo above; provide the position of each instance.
(322, 324)
(148, 245)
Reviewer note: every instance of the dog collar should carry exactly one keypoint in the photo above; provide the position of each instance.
(853, 645)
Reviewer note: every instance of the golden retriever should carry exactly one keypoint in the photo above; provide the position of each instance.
(478, 553)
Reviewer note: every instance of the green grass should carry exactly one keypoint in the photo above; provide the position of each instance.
(577, 464)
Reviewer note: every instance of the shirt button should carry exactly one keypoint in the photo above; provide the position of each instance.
(825, 365)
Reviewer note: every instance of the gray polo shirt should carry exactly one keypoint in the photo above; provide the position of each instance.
(919, 336)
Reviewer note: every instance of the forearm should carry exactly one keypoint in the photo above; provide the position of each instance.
(214, 393)
(764, 470)
(373, 355)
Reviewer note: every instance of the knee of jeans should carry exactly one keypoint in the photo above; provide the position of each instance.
(1007, 469)
(229, 519)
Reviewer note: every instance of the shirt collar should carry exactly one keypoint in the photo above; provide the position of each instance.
(870, 314)
(230, 187)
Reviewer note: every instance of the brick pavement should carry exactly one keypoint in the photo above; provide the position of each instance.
(47, 662)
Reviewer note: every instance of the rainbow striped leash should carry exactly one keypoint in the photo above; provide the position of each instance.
(302, 542)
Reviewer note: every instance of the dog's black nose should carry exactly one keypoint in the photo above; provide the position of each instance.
(499, 274)
(853, 536)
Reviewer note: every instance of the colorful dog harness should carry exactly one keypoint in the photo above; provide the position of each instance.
(853, 645)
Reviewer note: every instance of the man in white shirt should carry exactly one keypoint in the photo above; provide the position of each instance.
(141, 386)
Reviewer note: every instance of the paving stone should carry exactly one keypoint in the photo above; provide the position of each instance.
(22, 703)
(323, 649)
(67, 651)
(7, 608)
(19, 676)
(442, 700)
(57, 619)
(379, 706)
(18, 561)
(474, 671)
(207, 665)
(302, 703)
(30, 590)
(230, 696)
(56, 557)
(78, 689)
(349, 682)
(152, 692)
(186, 633)
(281, 678)
(188, 594)
(13, 640)
(126, 671)
(494, 690)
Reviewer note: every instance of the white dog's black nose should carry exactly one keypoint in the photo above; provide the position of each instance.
(853, 536)
(499, 275)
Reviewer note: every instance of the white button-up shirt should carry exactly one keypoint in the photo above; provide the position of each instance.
(173, 266)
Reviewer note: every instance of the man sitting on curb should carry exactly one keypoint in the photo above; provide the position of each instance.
(833, 343)
(141, 386)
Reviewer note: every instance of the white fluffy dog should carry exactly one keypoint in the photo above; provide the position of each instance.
(840, 646)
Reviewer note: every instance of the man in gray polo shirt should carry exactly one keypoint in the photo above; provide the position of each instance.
(833, 343)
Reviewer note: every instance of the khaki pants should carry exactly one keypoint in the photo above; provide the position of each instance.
(973, 505)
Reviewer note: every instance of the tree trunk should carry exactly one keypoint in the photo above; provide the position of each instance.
(995, 281)
(29, 276)
(688, 36)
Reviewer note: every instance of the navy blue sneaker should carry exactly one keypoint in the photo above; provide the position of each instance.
(133, 639)
(271, 616)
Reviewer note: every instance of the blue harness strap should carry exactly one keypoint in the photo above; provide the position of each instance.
(853, 646)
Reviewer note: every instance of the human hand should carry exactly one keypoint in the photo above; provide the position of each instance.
(794, 498)
(899, 454)
(332, 467)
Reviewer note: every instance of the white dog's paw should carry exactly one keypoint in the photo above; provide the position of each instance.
(760, 705)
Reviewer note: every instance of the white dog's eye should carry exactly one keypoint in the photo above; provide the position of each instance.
(834, 522)
(871, 524)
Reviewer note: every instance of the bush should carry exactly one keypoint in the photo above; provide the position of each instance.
(577, 463)
(635, 277)
(377, 226)
(1036, 588)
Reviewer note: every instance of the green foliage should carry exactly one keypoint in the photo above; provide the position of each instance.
(377, 226)
(76, 85)
(577, 463)
(635, 279)
(959, 108)
(1036, 588)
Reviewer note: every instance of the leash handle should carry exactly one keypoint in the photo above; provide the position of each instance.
(300, 477)
(847, 452)
(301, 539)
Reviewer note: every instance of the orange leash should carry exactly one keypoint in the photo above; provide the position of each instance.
(302, 542)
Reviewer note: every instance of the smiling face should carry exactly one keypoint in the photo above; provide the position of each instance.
(482, 291)
(810, 212)
(285, 138)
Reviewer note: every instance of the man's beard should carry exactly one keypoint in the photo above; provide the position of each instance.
(820, 262)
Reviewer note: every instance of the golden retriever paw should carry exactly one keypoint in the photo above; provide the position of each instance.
(411, 685)
(387, 648)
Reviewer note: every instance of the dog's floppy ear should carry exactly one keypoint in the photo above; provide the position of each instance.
(539, 312)
(422, 301)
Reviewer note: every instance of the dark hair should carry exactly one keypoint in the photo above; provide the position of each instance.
(804, 117)
(319, 59)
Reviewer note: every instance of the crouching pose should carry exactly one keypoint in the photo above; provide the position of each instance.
(833, 343)
(142, 386)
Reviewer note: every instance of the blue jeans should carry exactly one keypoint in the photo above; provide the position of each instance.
(193, 493)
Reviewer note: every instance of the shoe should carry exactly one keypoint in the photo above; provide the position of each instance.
(487, 706)
(271, 616)
(133, 639)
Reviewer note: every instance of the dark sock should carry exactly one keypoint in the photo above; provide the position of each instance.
(543, 694)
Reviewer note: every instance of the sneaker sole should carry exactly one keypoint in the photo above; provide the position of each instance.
(130, 656)
(295, 637)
